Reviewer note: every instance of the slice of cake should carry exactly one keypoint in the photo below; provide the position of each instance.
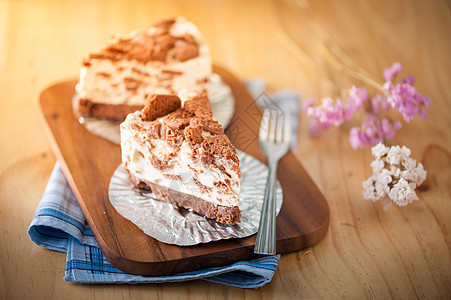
(175, 148)
(166, 58)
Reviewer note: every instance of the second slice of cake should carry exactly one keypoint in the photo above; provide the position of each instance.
(168, 57)
(175, 148)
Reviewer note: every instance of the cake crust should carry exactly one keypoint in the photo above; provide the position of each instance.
(221, 214)
(114, 112)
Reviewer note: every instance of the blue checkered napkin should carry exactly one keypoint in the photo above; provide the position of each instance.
(59, 225)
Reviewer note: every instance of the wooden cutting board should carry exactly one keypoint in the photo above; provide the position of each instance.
(89, 161)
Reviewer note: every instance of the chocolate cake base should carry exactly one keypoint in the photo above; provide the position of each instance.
(88, 108)
(221, 214)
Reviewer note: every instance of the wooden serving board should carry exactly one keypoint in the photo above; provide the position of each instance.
(89, 161)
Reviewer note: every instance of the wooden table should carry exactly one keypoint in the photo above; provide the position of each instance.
(308, 47)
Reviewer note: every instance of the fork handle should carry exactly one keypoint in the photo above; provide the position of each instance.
(266, 236)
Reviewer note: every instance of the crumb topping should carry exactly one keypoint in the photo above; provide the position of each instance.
(159, 105)
(218, 145)
(199, 106)
(187, 123)
(150, 44)
(193, 134)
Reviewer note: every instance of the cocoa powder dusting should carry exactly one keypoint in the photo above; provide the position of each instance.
(147, 45)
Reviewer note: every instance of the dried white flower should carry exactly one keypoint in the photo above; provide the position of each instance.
(377, 165)
(379, 150)
(383, 181)
(409, 163)
(403, 192)
(395, 176)
(397, 154)
(369, 191)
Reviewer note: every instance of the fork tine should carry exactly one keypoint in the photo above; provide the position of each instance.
(279, 127)
(264, 126)
(272, 125)
(287, 128)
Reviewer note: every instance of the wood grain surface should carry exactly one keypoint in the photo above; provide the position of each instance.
(367, 252)
(89, 161)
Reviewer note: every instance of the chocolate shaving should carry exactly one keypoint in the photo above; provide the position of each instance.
(140, 72)
(177, 120)
(208, 125)
(172, 72)
(185, 53)
(199, 106)
(213, 127)
(159, 105)
(154, 130)
(202, 187)
(132, 84)
(103, 74)
(173, 177)
(193, 134)
(163, 163)
(218, 146)
(220, 184)
(173, 136)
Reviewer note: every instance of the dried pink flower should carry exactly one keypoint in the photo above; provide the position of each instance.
(372, 131)
(375, 127)
(391, 72)
(405, 98)
(307, 103)
(379, 104)
(334, 112)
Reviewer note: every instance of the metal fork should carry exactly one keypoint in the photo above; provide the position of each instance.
(275, 138)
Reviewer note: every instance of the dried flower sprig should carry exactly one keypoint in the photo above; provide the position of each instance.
(376, 125)
(395, 176)
(403, 96)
